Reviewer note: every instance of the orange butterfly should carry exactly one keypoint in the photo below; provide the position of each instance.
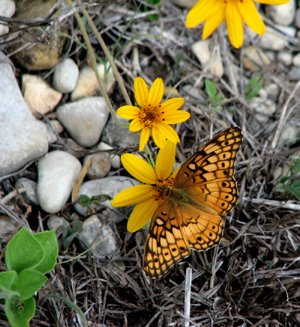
(190, 218)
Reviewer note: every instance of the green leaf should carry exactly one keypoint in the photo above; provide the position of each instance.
(253, 87)
(23, 251)
(29, 282)
(87, 201)
(48, 242)
(7, 279)
(295, 168)
(210, 88)
(294, 189)
(18, 312)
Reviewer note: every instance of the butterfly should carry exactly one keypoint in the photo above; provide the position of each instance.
(190, 217)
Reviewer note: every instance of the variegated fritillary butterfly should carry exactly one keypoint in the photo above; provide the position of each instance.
(190, 217)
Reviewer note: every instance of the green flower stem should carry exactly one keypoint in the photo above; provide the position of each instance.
(94, 64)
(107, 54)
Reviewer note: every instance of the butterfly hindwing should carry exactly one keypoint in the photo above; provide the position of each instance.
(165, 244)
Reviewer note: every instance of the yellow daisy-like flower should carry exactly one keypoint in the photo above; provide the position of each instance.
(151, 116)
(213, 12)
(148, 196)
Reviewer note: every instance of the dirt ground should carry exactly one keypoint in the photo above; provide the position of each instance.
(252, 278)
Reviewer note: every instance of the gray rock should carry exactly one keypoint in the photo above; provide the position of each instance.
(296, 60)
(100, 166)
(28, 188)
(289, 134)
(285, 57)
(57, 173)
(297, 19)
(22, 137)
(119, 137)
(294, 74)
(65, 76)
(110, 186)
(57, 223)
(98, 237)
(263, 108)
(84, 119)
(7, 228)
(272, 40)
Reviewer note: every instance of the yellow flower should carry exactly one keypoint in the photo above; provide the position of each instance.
(148, 196)
(151, 116)
(234, 12)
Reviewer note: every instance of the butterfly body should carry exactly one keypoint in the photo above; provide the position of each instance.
(192, 204)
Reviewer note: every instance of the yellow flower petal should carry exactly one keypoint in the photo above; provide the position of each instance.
(169, 132)
(213, 23)
(156, 92)
(128, 112)
(140, 91)
(144, 137)
(272, 2)
(141, 214)
(201, 12)
(133, 195)
(165, 160)
(176, 117)
(158, 137)
(251, 17)
(139, 168)
(172, 104)
(135, 125)
(234, 24)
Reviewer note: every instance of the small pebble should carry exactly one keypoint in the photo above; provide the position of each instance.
(65, 76)
(98, 237)
(57, 173)
(7, 228)
(296, 60)
(263, 108)
(100, 166)
(294, 74)
(114, 159)
(57, 223)
(84, 119)
(283, 14)
(39, 96)
(28, 188)
(272, 40)
(289, 134)
(255, 59)
(7, 9)
(285, 57)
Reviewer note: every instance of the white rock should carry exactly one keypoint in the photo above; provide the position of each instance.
(288, 134)
(57, 173)
(272, 40)
(114, 159)
(39, 96)
(100, 165)
(210, 60)
(285, 57)
(283, 14)
(296, 60)
(84, 119)
(109, 186)
(98, 237)
(27, 187)
(65, 76)
(7, 9)
(23, 138)
(87, 84)
(263, 108)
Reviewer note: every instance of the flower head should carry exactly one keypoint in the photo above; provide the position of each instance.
(157, 183)
(151, 116)
(213, 12)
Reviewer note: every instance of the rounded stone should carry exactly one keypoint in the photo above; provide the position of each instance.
(57, 173)
(65, 76)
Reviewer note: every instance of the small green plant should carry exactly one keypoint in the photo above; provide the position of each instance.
(253, 87)
(215, 98)
(28, 258)
(291, 184)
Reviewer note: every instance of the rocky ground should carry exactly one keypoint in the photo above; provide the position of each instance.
(54, 122)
